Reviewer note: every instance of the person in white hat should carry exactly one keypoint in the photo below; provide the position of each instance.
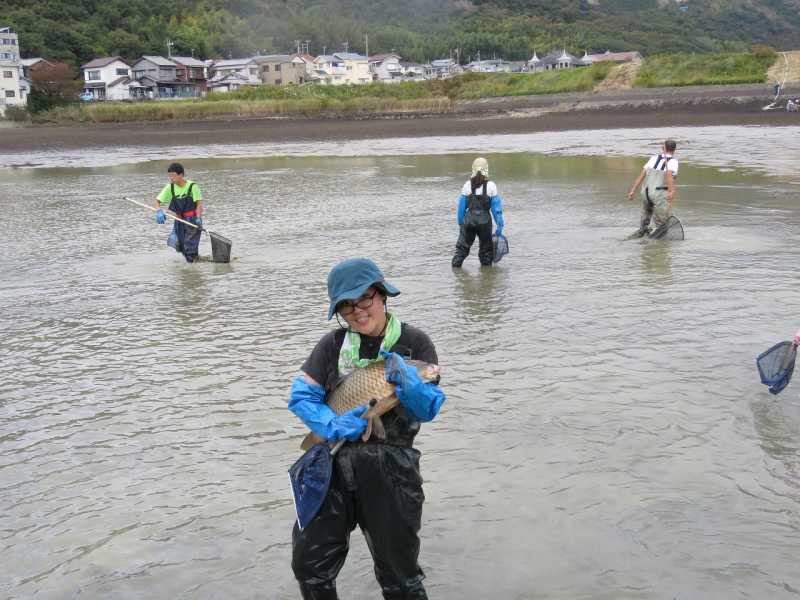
(477, 204)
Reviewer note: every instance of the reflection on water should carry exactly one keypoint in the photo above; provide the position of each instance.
(605, 434)
(657, 261)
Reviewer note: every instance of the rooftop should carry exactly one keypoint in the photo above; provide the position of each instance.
(98, 63)
(232, 62)
(159, 60)
(187, 61)
(349, 56)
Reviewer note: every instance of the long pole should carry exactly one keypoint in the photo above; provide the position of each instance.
(169, 214)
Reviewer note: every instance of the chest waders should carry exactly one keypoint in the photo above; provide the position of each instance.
(477, 222)
(184, 238)
(376, 486)
(655, 204)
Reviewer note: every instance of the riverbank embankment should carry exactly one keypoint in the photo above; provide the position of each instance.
(635, 108)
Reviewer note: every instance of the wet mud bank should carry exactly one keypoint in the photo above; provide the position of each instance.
(661, 107)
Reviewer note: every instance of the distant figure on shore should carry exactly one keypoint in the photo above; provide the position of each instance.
(776, 89)
(658, 190)
(183, 198)
(791, 105)
(477, 204)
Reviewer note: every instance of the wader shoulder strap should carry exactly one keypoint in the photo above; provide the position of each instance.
(188, 191)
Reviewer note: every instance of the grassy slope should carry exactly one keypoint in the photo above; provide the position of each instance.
(674, 70)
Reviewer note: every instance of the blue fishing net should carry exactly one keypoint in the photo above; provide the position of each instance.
(310, 478)
(776, 365)
(500, 246)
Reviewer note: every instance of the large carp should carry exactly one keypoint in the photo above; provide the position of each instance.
(368, 385)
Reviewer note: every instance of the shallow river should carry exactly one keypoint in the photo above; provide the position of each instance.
(605, 434)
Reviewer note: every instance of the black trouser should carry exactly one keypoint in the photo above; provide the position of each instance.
(188, 242)
(467, 237)
(379, 488)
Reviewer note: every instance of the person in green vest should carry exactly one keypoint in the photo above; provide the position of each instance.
(375, 484)
(184, 199)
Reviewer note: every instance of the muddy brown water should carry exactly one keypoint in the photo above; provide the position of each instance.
(605, 434)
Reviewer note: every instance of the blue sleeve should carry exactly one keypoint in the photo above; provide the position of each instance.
(307, 401)
(462, 208)
(497, 212)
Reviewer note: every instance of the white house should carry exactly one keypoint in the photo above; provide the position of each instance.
(386, 67)
(247, 68)
(356, 67)
(229, 82)
(328, 70)
(10, 70)
(107, 78)
(444, 67)
(28, 66)
(413, 71)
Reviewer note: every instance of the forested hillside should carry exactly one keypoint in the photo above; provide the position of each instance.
(78, 30)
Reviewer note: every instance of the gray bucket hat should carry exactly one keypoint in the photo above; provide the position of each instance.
(351, 278)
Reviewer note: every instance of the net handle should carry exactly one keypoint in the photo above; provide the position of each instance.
(169, 214)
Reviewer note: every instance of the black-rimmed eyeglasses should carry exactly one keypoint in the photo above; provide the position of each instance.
(346, 307)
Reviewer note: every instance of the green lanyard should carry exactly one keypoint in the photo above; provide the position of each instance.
(351, 346)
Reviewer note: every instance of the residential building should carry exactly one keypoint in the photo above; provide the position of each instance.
(492, 65)
(29, 66)
(443, 68)
(229, 82)
(161, 78)
(619, 57)
(413, 71)
(559, 59)
(107, 78)
(308, 61)
(386, 67)
(534, 62)
(328, 70)
(10, 70)
(195, 72)
(282, 69)
(356, 68)
(248, 70)
(32, 64)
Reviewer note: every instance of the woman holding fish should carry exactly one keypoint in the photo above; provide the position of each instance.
(376, 482)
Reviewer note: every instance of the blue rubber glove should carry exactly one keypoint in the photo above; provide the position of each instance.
(422, 400)
(499, 231)
(198, 221)
(349, 426)
(161, 217)
(307, 401)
